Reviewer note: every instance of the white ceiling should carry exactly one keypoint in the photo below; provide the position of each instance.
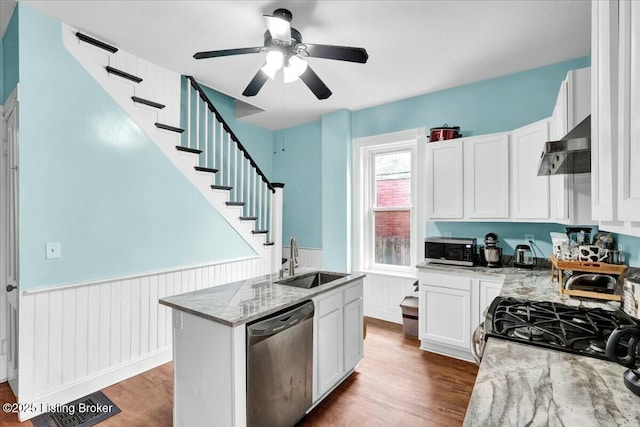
(415, 47)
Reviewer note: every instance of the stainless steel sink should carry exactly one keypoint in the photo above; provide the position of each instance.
(311, 280)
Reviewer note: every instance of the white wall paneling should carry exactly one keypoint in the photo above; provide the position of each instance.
(383, 295)
(307, 257)
(76, 340)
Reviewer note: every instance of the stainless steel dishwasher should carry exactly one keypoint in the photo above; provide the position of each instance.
(279, 367)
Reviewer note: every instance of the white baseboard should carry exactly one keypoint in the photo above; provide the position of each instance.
(92, 384)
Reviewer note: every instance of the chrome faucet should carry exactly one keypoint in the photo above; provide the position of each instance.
(293, 256)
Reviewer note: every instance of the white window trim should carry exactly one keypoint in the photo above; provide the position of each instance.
(410, 140)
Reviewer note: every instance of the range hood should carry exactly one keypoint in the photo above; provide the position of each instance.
(570, 155)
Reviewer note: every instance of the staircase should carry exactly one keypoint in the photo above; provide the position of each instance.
(195, 138)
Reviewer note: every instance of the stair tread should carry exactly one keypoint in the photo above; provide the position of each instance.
(102, 45)
(168, 127)
(147, 102)
(221, 187)
(188, 150)
(235, 203)
(203, 169)
(248, 218)
(260, 231)
(123, 74)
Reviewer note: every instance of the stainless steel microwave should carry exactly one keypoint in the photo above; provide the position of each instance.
(450, 250)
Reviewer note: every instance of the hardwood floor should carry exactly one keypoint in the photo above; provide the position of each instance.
(396, 384)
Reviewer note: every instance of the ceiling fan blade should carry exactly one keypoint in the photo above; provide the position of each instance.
(227, 52)
(279, 28)
(313, 82)
(341, 53)
(256, 83)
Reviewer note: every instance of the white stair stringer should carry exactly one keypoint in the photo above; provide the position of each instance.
(163, 86)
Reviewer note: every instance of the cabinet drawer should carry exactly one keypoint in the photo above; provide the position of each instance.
(353, 292)
(446, 281)
(327, 304)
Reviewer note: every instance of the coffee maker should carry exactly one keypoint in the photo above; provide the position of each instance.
(492, 253)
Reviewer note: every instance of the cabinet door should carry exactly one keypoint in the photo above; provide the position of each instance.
(445, 178)
(353, 331)
(530, 192)
(559, 184)
(486, 191)
(447, 317)
(629, 130)
(488, 291)
(604, 86)
(329, 364)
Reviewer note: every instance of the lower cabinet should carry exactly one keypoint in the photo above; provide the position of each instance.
(451, 306)
(338, 337)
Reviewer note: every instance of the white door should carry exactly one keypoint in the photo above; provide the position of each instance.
(488, 292)
(9, 243)
(559, 185)
(353, 333)
(530, 192)
(330, 352)
(486, 192)
(629, 136)
(445, 173)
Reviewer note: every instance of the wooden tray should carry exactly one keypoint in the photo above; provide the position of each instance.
(585, 267)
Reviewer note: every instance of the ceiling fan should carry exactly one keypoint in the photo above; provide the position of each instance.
(285, 49)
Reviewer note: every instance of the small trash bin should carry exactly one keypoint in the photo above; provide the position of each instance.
(409, 307)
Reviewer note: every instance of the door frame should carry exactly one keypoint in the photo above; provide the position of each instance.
(10, 106)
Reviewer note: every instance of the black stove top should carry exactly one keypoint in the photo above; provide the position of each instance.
(553, 325)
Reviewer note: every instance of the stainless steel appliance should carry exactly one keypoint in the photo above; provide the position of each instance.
(450, 250)
(552, 325)
(523, 257)
(279, 367)
(623, 347)
(630, 292)
(492, 253)
(572, 154)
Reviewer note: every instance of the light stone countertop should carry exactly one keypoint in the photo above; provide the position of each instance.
(241, 302)
(522, 385)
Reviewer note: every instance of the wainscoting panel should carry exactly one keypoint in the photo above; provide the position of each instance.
(307, 257)
(90, 336)
(383, 295)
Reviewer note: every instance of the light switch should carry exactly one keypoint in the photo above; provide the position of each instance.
(53, 250)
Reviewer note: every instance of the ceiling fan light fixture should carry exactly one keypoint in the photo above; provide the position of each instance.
(294, 69)
(269, 71)
(275, 59)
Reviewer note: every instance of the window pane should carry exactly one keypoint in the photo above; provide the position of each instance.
(392, 237)
(393, 180)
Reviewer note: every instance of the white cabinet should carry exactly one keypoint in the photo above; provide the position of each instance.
(615, 139)
(468, 178)
(529, 192)
(488, 291)
(486, 189)
(338, 336)
(629, 112)
(451, 305)
(445, 179)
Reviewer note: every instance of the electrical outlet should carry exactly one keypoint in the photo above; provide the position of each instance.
(52, 250)
(448, 234)
(529, 237)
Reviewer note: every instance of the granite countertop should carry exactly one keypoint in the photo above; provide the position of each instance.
(521, 385)
(241, 302)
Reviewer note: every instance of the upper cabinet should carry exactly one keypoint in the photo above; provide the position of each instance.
(615, 82)
(530, 192)
(468, 178)
(629, 112)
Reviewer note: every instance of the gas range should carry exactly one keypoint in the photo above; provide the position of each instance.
(552, 325)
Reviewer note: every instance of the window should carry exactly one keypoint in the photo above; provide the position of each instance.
(385, 220)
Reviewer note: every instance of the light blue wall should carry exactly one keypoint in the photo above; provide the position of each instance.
(9, 50)
(93, 181)
(630, 245)
(258, 141)
(496, 105)
(336, 190)
(296, 162)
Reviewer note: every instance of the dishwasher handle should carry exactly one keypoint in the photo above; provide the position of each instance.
(281, 321)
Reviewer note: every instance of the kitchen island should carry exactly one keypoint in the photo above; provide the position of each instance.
(521, 385)
(210, 342)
